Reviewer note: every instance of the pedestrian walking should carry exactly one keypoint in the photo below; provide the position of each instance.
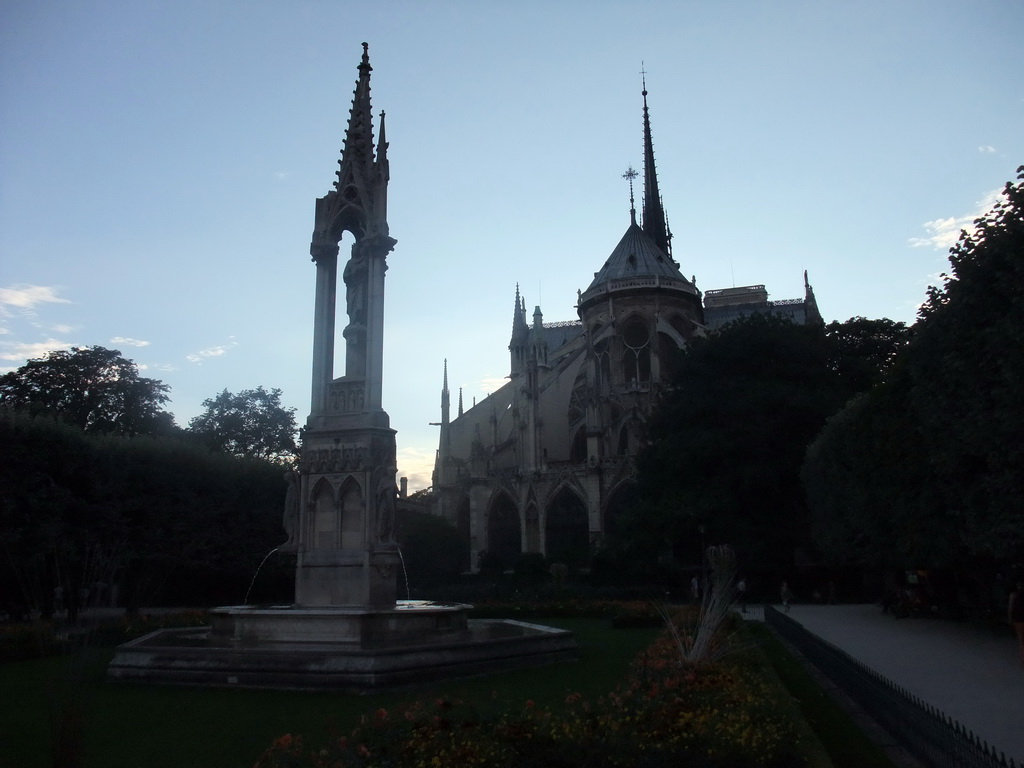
(741, 588)
(695, 589)
(786, 594)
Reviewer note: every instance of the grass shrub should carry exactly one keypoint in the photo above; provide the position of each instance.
(846, 743)
(666, 712)
(131, 724)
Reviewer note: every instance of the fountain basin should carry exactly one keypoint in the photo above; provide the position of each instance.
(408, 619)
(346, 649)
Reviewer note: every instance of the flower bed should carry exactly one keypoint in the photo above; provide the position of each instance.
(633, 613)
(667, 712)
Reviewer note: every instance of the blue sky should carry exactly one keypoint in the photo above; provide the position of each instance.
(159, 163)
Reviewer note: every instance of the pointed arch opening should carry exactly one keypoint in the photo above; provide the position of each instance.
(351, 515)
(636, 352)
(325, 516)
(669, 357)
(630, 437)
(578, 450)
(567, 529)
(532, 528)
(504, 536)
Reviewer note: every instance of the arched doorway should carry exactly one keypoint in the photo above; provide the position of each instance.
(504, 536)
(567, 529)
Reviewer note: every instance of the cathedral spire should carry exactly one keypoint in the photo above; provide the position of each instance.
(654, 224)
(445, 397)
(520, 336)
(357, 152)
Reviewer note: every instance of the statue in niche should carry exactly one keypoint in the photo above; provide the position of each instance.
(385, 516)
(355, 276)
(291, 510)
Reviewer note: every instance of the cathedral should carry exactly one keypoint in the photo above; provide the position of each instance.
(546, 463)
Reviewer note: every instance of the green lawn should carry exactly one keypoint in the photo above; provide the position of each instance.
(140, 726)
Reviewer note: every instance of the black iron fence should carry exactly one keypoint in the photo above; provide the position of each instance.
(932, 737)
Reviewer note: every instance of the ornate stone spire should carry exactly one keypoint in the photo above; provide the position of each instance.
(445, 396)
(358, 202)
(654, 223)
(520, 336)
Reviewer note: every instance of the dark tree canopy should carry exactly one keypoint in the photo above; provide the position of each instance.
(726, 444)
(92, 388)
(937, 449)
(161, 517)
(862, 349)
(252, 423)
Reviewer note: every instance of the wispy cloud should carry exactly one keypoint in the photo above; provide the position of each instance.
(987, 149)
(944, 233)
(32, 350)
(214, 351)
(492, 384)
(26, 297)
(128, 342)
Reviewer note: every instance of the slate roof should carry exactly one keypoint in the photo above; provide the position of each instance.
(636, 256)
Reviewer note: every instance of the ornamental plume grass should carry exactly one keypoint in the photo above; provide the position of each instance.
(704, 640)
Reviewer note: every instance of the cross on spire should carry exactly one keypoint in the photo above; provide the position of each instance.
(631, 174)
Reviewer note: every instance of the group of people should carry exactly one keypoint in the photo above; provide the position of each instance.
(785, 593)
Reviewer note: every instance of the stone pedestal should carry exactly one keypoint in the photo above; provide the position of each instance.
(347, 578)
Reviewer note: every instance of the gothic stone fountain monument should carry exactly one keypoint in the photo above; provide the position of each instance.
(346, 629)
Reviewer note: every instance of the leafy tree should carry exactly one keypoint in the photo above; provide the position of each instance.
(936, 449)
(727, 442)
(161, 517)
(92, 388)
(252, 423)
(432, 551)
(862, 349)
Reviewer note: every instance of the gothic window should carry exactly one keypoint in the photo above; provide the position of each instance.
(532, 529)
(681, 325)
(578, 451)
(623, 447)
(636, 354)
(669, 356)
(577, 399)
(604, 366)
